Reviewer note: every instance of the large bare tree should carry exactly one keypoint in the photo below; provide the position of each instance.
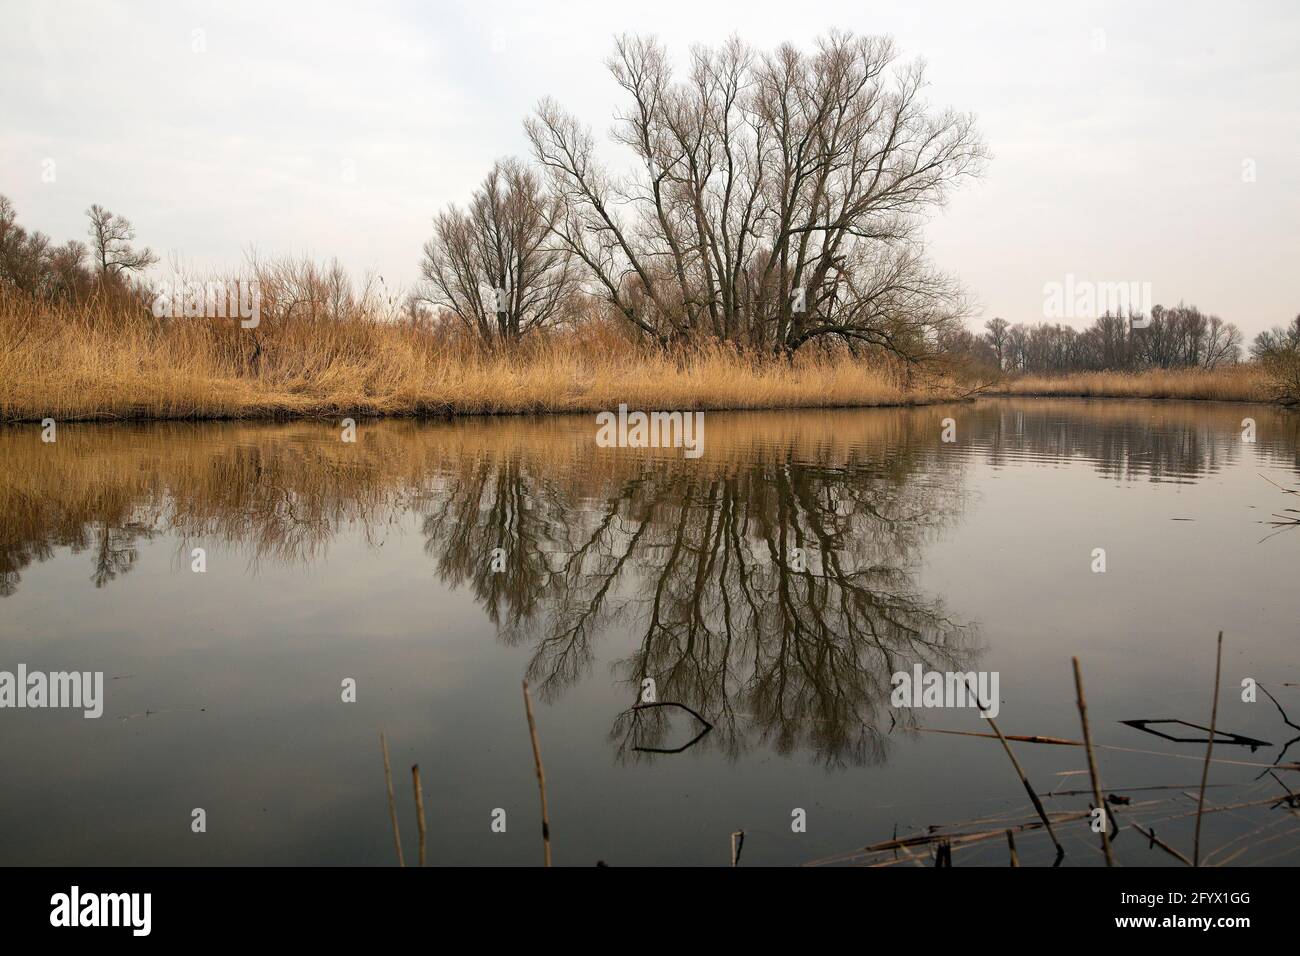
(496, 265)
(776, 197)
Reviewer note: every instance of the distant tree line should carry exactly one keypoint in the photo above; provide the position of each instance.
(1180, 336)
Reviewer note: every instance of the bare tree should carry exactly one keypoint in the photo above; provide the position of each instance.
(68, 274)
(1277, 340)
(777, 196)
(495, 265)
(110, 244)
(1018, 348)
(995, 334)
(1278, 350)
(1222, 343)
(320, 292)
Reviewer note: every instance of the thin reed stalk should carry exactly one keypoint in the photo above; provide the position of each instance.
(1156, 841)
(419, 806)
(392, 802)
(1020, 772)
(541, 776)
(1209, 749)
(1092, 767)
(737, 844)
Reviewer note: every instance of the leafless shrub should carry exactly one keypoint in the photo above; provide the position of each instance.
(494, 266)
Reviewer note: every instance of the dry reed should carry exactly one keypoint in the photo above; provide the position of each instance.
(419, 807)
(1209, 750)
(541, 776)
(1092, 765)
(105, 361)
(114, 360)
(1240, 383)
(392, 803)
(1020, 772)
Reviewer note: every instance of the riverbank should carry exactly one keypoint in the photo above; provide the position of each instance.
(102, 364)
(1239, 383)
(88, 364)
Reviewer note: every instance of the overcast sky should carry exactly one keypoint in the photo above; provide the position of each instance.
(1120, 132)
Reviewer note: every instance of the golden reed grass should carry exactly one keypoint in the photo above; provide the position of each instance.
(118, 362)
(106, 361)
(1240, 383)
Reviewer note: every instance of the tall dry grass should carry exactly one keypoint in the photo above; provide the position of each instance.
(318, 352)
(117, 361)
(1239, 383)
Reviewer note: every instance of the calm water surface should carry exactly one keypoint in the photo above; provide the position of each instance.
(375, 561)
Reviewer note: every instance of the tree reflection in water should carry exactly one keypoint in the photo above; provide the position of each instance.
(773, 593)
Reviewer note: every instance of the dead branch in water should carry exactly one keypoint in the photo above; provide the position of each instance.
(1292, 799)
(1289, 491)
(1022, 738)
(1112, 797)
(947, 839)
(1286, 719)
(1226, 807)
(961, 838)
(1156, 841)
(1063, 742)
(704, 725)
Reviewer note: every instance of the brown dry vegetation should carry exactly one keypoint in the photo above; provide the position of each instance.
(111, 359)
(116, 362)
(1237, 383)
